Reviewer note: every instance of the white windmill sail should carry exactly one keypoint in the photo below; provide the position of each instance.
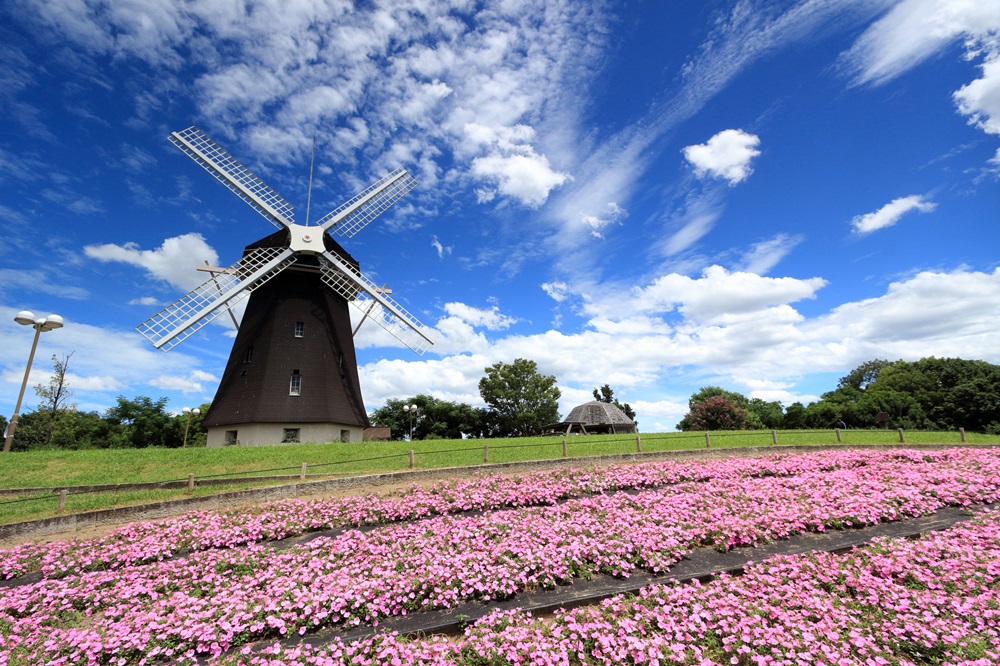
(362, 293)
(355, 214)
(231, 173)
(189, 313)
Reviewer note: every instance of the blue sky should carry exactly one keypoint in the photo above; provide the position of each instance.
(655, 195)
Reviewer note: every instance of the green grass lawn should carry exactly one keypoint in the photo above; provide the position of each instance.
(55, 469)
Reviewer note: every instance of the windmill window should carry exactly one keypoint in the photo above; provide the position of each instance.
(232, 438)
(290, 435)
(295, 385)
(300, 329)
(249, 355)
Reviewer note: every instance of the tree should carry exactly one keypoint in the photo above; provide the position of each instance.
(520, 400)
(197, 432)
(951, 392)
(142, 423)
(766, 415)
(434, 419)
(836, 407)
(865, 374)
(82, 430)
(607, 395)
(795, 417)
(756, 414)
(902, 408)
(55, 396)
(706, 392)
(31, 431)
(715, 413)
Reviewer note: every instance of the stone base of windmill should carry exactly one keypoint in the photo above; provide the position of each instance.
(270, 434)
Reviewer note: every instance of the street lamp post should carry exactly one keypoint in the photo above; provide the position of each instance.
(187, 411)
(26, 318)
(412, 409)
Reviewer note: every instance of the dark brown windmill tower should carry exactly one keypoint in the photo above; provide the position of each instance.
(292, 374)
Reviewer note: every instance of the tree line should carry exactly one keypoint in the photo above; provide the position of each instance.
(140, 422)
(519, 402)
(929, 394)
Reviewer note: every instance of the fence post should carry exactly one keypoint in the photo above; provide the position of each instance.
(564, 447)
(638, 444)
(774, 437)
(486, 453)
(190, 483)
(901, 435)
(708, 441)
(837, 430)
(411, 458)
(961, 434)
(302, 474)
(62, 501)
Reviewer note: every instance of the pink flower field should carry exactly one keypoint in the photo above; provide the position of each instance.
(211, 588)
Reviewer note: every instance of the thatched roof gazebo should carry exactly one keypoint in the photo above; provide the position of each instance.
(591, 418)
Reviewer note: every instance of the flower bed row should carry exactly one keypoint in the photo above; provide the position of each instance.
(204, 530)
(218, 599)
(935, 600)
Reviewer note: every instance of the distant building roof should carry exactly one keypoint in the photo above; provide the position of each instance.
(593, 417)
(374, 434)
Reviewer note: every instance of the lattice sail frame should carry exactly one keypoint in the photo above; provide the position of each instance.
(188, 314)
(362, 293)
(229, 171)
(354, 215)
(191, 312)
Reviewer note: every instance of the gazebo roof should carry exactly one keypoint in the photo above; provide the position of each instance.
(598, 413)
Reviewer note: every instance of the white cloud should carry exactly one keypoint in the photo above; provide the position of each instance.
(413, 70)
(105, 361)
(736, 329)
(612, 215)
(658, 415)
(889, 214)
(692, 221)
(695, 224)
(39, 281)
(174, 262)
(932, 313)
(720, 295)
(93, 382)
(491, 319)
(980, 99)
(441, 249)
(193, 382)
(726, 155)
(525, 177)
(765, 255)
(913, 31)
(557, 291)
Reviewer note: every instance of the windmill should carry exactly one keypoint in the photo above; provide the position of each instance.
(292, 373)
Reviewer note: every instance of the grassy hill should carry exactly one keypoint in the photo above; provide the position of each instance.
(51, 470)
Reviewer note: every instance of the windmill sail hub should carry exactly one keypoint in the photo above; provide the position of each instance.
(305, 240)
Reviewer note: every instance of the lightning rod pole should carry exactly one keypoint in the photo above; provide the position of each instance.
(312, 160)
